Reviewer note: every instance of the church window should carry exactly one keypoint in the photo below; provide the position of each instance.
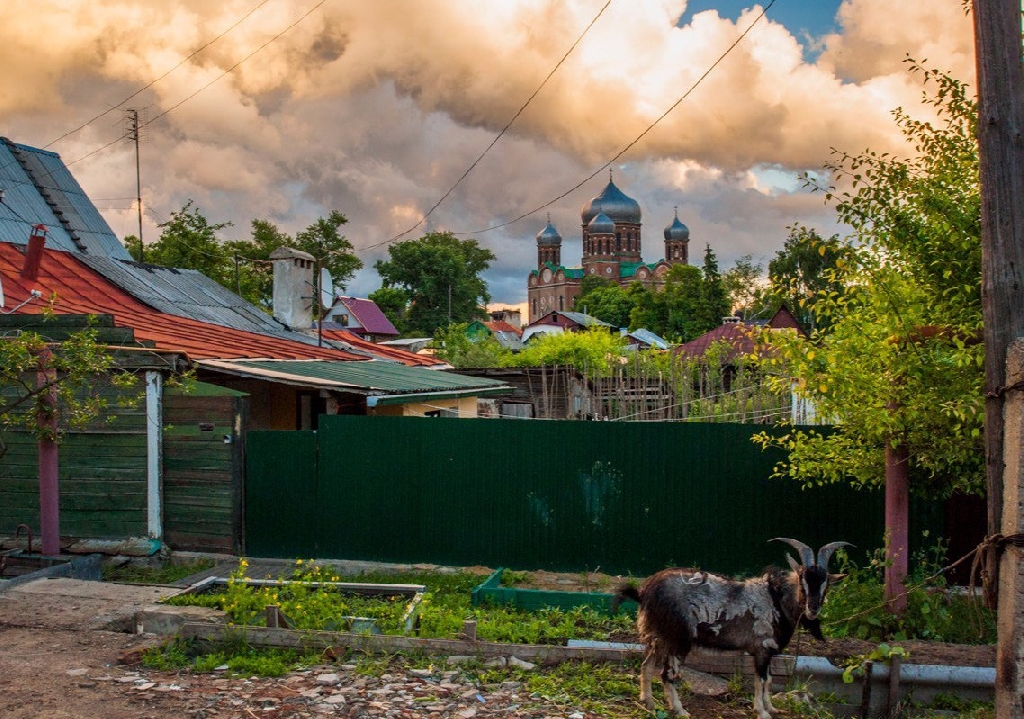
(561, 303)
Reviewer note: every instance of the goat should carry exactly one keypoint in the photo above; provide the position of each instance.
(683, 608)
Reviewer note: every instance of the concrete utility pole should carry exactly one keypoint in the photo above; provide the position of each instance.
(997, 32)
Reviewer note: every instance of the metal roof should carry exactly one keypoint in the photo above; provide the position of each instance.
(388, 381)
(39, 189)
(189, 293)
(74, 288)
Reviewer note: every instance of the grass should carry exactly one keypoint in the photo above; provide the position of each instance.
(164, 572)
(447, 603)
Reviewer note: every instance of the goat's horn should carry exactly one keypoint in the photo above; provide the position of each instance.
(825, 553)
(806, 553)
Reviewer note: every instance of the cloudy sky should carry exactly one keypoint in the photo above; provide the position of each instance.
(287, 109)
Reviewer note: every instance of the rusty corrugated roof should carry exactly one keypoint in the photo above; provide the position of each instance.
(74, 288)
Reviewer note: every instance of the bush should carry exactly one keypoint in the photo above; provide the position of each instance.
(935, 611)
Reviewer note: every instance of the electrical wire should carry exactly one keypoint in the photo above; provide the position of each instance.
(153, 82)
(499, 135)
(635, 140)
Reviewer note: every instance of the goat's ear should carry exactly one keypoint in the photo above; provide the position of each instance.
(836, 578)
(794, 565)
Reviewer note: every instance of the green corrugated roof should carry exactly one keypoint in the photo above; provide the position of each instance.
(372, 377)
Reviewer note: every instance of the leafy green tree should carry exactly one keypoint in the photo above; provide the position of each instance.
(606, 301)
(714, 298)
(684, 319)
(333, 250)
(456, 347)
(593, 351)
(189, 241)
(744, 285)
(804, 271)
(441, 275)
(900, 369)
(254, 273)
(77, 364)
(649, 310)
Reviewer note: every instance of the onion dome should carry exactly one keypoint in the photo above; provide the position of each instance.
(677, 231)
(549, 235)
(614, 203)
(601, 224)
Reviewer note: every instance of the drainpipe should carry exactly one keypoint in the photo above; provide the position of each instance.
(49, 495)
(154, 433)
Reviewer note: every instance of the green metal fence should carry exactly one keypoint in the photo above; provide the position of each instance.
(569, 496)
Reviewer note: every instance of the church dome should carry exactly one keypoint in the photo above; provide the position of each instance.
(549, 235)
(677, 231)
(614, 203)
(601, 224)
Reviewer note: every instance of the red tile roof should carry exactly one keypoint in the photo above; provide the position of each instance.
(738, 334)
(77, 289)
(394, 353)
(503, 326)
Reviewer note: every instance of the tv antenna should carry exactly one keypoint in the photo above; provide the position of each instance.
(133, 128)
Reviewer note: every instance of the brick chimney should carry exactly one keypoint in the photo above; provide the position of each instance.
(294, 287)
(34, 253)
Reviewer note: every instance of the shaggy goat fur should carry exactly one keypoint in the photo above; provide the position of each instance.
(683, 608)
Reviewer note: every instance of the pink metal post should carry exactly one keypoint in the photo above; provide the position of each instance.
(49, 496)
(897, 505)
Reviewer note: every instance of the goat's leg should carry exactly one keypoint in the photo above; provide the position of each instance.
(762, 689)
(648, 668)
(669, 677)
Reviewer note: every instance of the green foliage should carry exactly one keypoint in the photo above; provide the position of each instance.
(804, 271)
(882, 653)
(901, 362)
(856, 606)
(744, 285)
(163, 573)
(446, 605)
(235, 659)
(606, 301)
(596, 351)
(189, 241)
(714, 299)
(458, 348)
(79, 368)
(441, 277)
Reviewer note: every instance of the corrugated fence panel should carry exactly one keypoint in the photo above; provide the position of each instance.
(560, 495)
(280, 494)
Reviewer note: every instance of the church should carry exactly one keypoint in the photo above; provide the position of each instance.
(611, 249)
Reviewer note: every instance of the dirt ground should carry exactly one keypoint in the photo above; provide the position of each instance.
(60, 659)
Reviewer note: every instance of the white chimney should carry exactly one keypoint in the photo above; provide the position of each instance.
(294, 287)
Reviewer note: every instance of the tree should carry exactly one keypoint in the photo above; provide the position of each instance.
(254, 272)
(714, 299)
(900, 369)
(804, 270)
(460, 350)
(189, 241)
(331, 249)
(441, 275)
(594, 351)
(72, 389)
(605, 300)
(743, 284)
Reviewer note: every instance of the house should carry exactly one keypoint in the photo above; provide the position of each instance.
(643, 339)
(737, 334)
(361, 317)
(175, 471)
(506, 334)
(556, 322)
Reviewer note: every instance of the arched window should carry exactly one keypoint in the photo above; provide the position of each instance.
(561, 303)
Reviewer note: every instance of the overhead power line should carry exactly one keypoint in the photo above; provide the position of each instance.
(153, 82)
(498, 136)
(635, 140)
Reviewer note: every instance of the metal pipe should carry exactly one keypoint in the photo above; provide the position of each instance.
(28, 531)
